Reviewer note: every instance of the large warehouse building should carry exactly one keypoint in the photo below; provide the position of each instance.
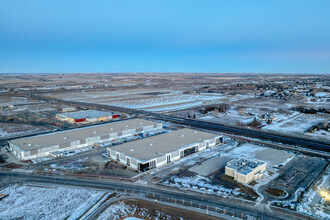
(245, 170)
(161, 149)
(43, 145)
(86, 116)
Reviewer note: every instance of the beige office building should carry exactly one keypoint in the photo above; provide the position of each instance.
(245, 170)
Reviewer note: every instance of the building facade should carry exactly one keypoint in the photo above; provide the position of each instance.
(245, 170)
(155, 151)
(42, 145)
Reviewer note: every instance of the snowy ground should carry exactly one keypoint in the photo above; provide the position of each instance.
(298, 123)
(287, 122)
(10, 130)
(147, 99)
(15, 101)
(313, 203)
(120, 210)
(43, 107)
(199, 184)
(47, 202)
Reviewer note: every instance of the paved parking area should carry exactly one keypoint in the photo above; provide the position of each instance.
(273, 156)
(298, 173)
(210, 166)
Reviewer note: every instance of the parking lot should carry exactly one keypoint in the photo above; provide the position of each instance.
(298, 173)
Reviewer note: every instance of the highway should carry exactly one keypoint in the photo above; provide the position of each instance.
(230, 205)
(271, 136)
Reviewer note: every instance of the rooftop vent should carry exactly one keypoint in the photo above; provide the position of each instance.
(132, 149)
(151, 144)
(182, 135)
(64, 138)
(29, 145)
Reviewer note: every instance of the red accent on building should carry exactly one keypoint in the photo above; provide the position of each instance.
(80, 120)
(115, 116)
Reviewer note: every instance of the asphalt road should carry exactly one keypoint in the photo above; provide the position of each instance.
(230, 205)
(286, 139)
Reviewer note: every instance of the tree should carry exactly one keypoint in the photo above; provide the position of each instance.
(194, 117)
(188, 116)
(255, 122)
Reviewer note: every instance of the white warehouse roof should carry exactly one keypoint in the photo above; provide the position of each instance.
(159, 145)
(51, 139)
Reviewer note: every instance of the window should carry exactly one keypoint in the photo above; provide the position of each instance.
(128, 161)
(152, 164)
(118, 156)
(168, 158)
(189, 151)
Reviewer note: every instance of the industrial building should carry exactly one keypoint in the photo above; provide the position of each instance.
(42, 145)
(86, 116)
(155, 151)
(245, 170)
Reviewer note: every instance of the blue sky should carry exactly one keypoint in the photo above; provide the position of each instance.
(273, 36)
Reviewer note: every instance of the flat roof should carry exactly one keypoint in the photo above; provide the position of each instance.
(56, 138)
(159, 145)
(87, 114)
(243, 165)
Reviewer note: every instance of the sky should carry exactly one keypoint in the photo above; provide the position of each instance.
(214, 36)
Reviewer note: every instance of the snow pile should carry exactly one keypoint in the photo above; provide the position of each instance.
(46, 202)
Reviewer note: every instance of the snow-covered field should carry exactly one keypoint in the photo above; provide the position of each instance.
(9, 130)
(298, 123)
(164, 100)
(287, 122)
(15, 101)
(153, 100)
(47, 202)
(120, 210)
